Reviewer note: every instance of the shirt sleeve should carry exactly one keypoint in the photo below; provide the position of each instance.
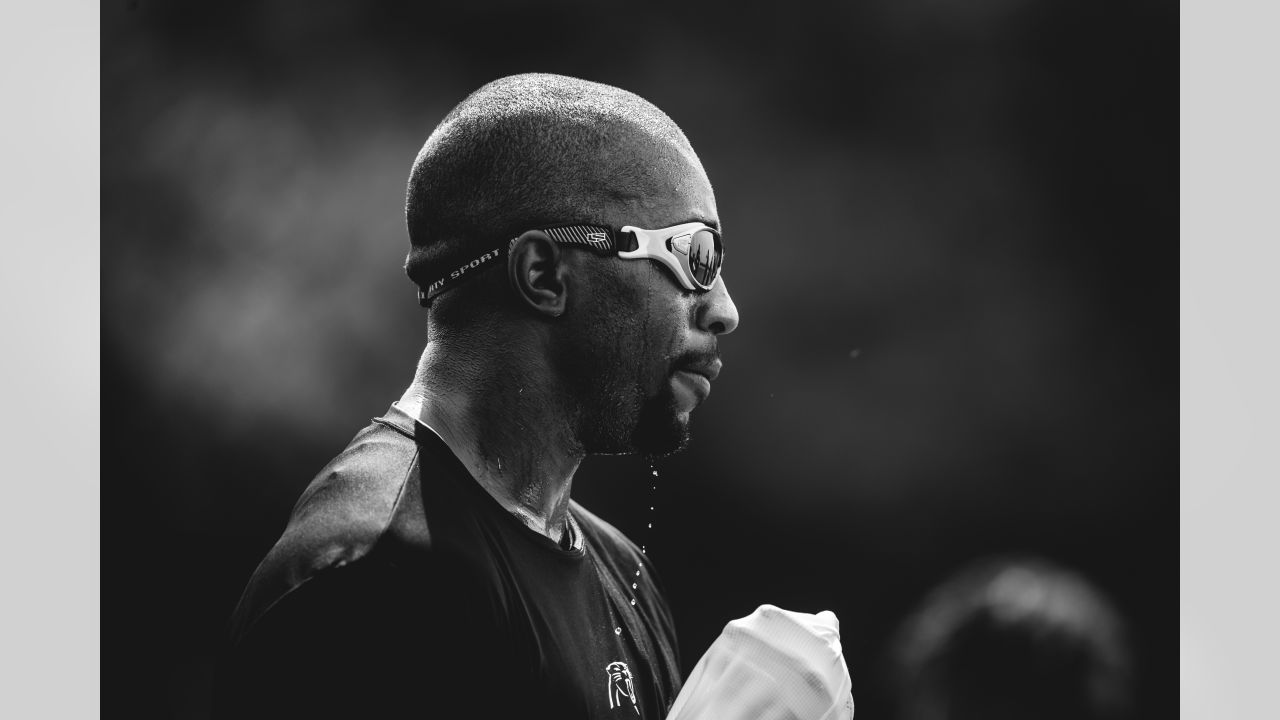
(364, 640)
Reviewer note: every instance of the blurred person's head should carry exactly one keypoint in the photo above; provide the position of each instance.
(1013, 638)
(608, 336)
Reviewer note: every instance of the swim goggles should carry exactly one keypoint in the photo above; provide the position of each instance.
(692, 252)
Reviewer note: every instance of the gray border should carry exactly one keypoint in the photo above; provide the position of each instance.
(1230, 355)
(49, 312)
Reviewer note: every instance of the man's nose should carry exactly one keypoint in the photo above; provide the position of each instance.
(718, 314)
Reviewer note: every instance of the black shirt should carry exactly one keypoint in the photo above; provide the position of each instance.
(402, 588)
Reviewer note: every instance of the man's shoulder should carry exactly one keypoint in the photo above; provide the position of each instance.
(346, 512)
(352, 499)
(351, 503)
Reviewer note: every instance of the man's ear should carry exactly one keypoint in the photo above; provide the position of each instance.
(537, 273)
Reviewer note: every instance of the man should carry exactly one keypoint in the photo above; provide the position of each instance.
(565, 241)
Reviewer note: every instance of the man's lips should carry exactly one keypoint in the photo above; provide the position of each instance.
(709, 370)
(697, 377)
(697, 383)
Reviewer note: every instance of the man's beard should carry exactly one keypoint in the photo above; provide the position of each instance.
(618, 419)
(659, 429)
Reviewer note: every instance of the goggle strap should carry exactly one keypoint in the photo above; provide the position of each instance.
(593, 236)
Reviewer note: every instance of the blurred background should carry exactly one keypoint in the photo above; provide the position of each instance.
(952, 241)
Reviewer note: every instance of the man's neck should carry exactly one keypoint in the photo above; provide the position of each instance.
(509, 430)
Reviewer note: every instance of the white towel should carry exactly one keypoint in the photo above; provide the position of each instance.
(773, 664)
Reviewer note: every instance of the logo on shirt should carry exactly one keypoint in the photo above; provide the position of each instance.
(620, 686)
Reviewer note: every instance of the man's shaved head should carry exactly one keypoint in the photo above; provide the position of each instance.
(614, 344)
(536, 150)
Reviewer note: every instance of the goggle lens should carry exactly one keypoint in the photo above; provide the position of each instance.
(702, 252)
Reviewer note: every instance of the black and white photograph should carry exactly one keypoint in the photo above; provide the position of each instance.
(676, 361)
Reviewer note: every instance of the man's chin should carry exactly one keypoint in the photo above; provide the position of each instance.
(661, 430)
